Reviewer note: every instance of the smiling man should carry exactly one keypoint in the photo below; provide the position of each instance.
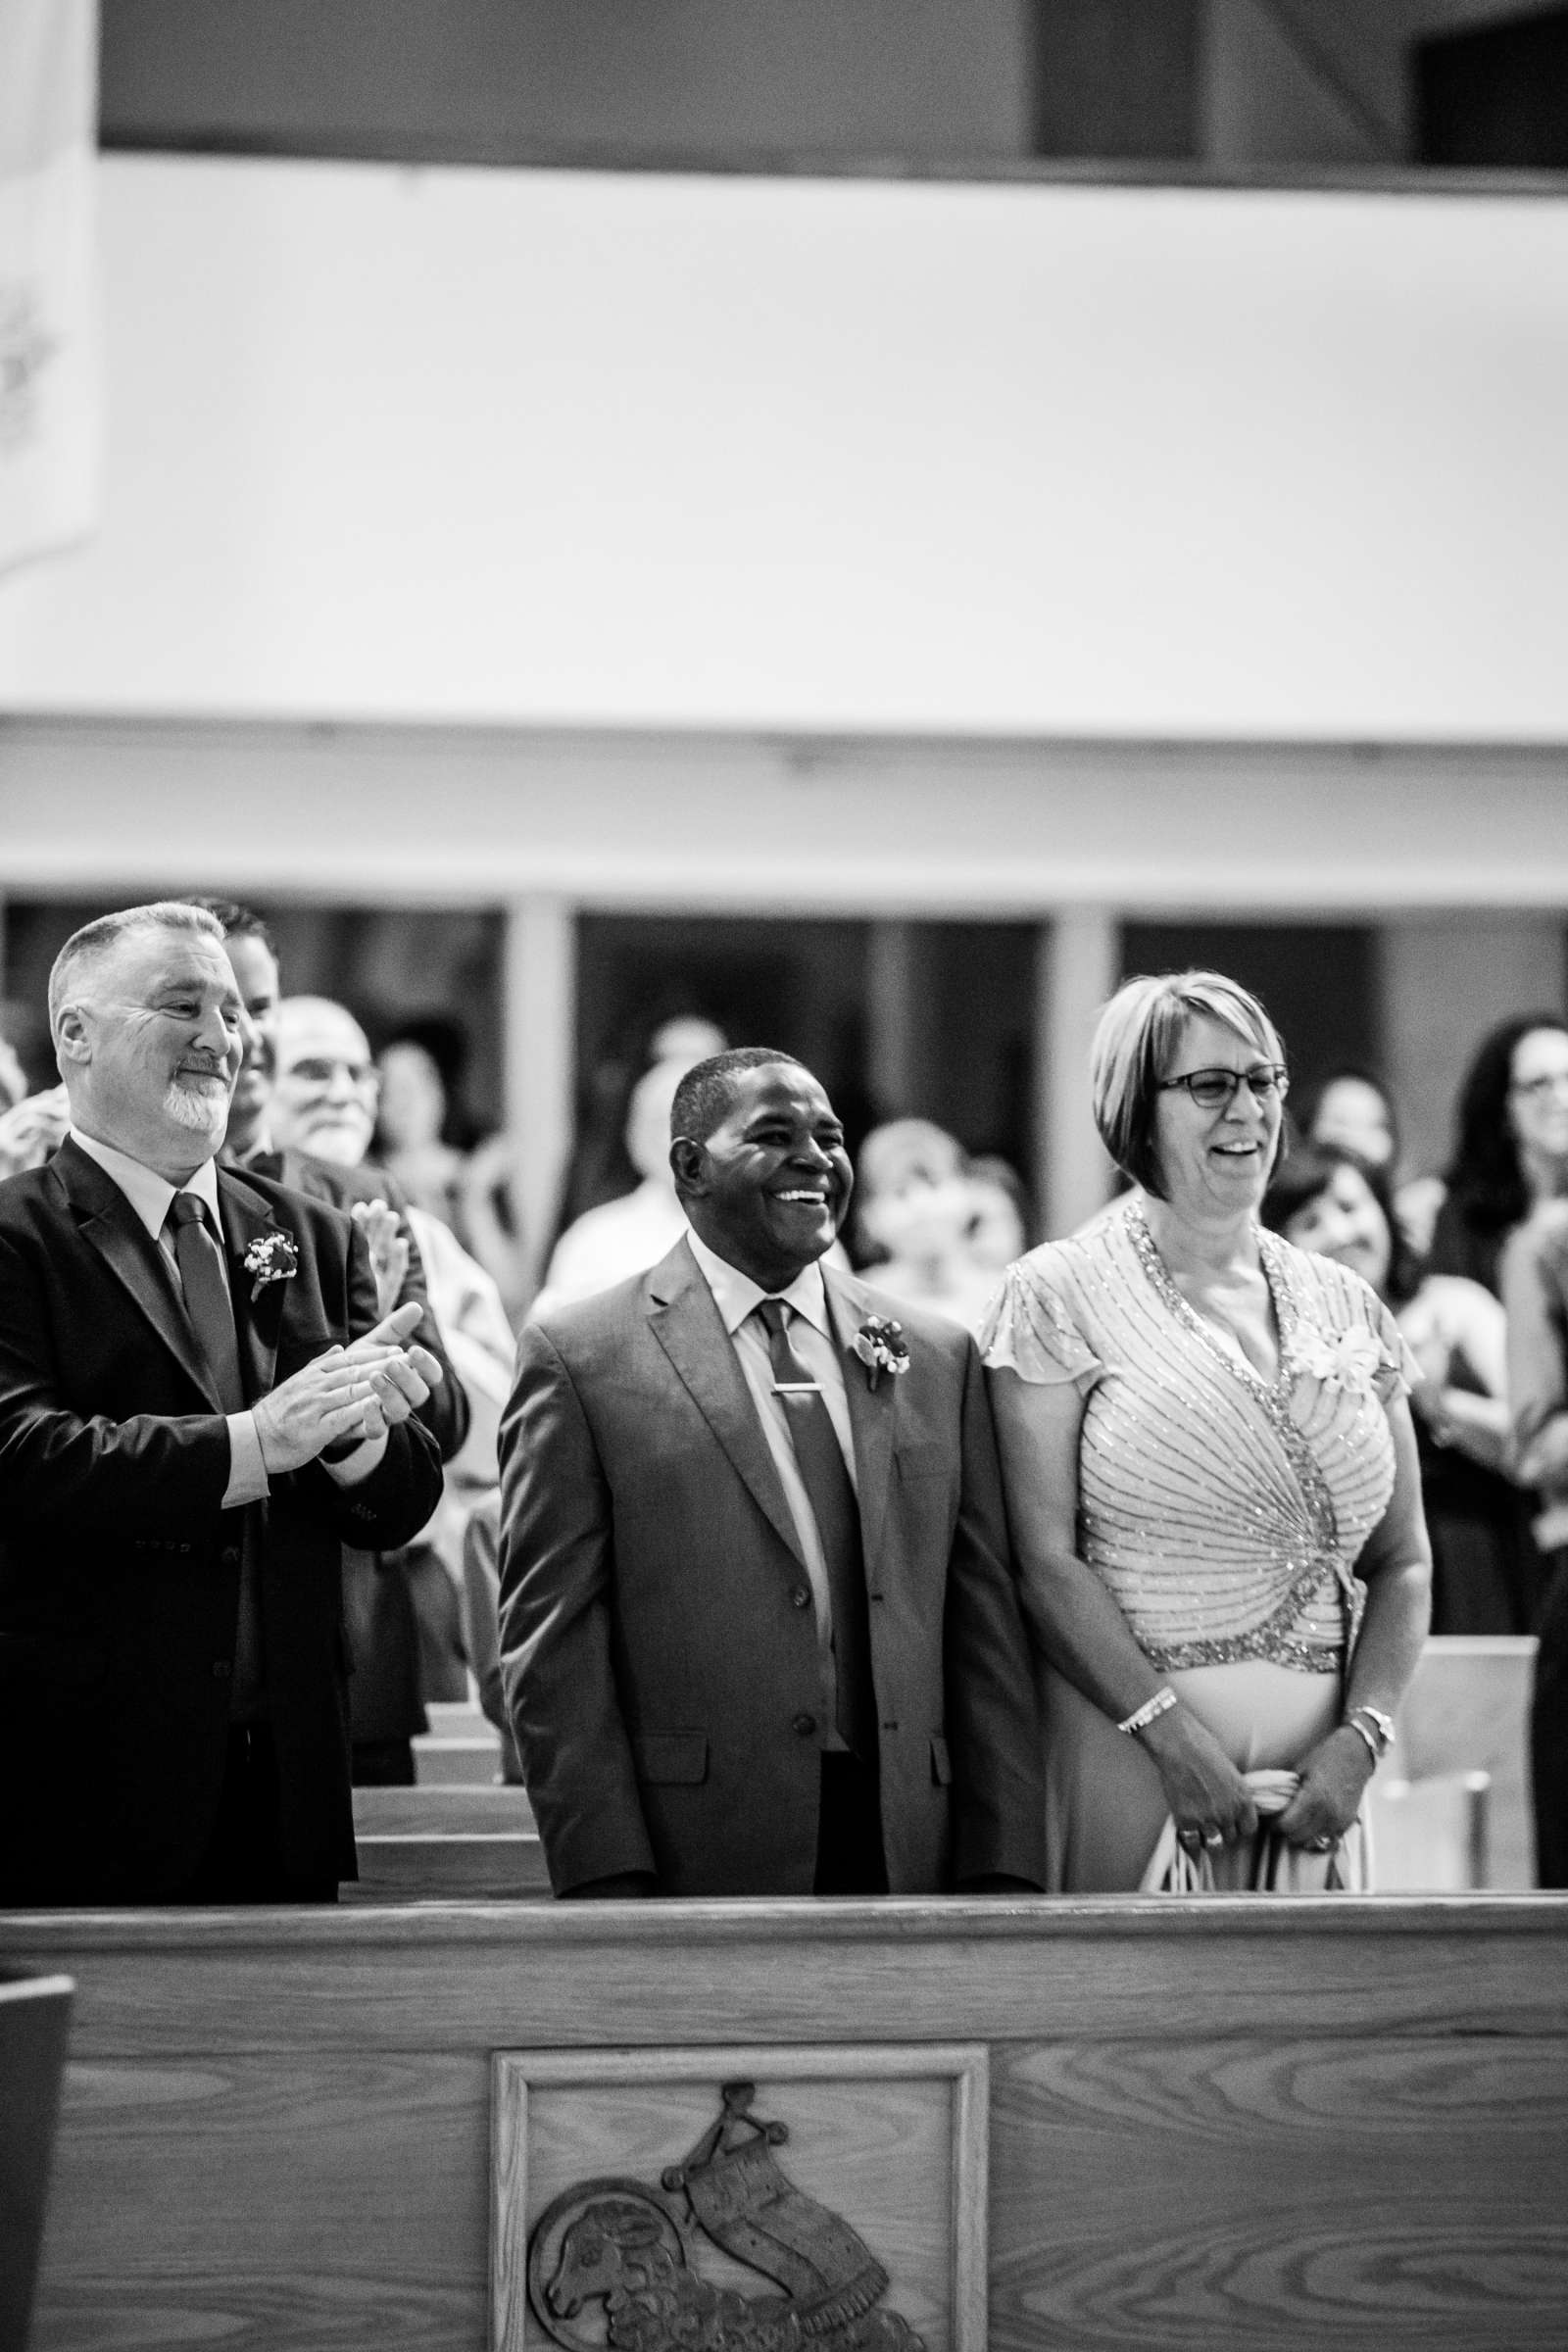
(760, 1631)
(198, 1407)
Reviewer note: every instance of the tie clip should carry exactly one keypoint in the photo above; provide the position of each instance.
(797, 1388)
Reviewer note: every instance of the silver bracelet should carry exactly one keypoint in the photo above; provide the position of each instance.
(1374, 1726)
(1372, 1748)
(1161, 1704)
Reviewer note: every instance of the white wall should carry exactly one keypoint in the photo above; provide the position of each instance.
(467, 814)
(575, 448)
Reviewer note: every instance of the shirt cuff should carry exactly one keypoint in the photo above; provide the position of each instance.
(247, 1472)
(357, 1466)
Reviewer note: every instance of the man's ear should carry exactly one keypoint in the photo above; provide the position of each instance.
(72, 1043)
(688, 1164)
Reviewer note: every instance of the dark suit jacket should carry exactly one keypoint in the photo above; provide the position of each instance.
(118, 1570)
(658, 1650)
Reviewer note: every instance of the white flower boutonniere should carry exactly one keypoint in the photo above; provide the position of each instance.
(881, 1347)
(270, 1257)
(1340, 1360)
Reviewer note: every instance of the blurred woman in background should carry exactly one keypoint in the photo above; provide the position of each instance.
(916, 1208)
(1510, 1146)
(1328, 1203)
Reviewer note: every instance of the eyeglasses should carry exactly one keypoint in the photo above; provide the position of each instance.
(1215, 1090)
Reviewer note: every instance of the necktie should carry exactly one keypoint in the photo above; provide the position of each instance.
(210, 1310)
(204, 1279)
(831, 1495)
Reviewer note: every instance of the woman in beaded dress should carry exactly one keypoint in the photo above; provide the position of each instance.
(1211, 1479)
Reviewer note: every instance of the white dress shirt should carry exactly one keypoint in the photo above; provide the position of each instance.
(810, 1335)
(150, 1195)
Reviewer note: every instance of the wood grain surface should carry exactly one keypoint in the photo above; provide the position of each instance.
(587, 1975)
(1250, 2127)
(1281, 2195)
(434, 1810)
(410, 1866)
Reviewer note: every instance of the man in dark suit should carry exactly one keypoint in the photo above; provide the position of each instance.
(198, 1407)
(759, 1630)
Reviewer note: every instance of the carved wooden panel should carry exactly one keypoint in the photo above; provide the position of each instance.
(677, 2192)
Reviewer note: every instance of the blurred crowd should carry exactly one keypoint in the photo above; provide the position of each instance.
(933, 1225)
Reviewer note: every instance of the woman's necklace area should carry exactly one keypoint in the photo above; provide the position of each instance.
(1221, 1330)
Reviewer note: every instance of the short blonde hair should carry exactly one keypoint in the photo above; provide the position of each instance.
(1134, 1039)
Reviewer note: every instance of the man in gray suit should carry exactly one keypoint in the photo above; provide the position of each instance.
(760, 1631)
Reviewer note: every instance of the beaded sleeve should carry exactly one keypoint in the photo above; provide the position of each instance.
(1030, 1330)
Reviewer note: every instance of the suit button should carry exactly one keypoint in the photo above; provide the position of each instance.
(222, 1670)
(800, 1597)
(806, 1725)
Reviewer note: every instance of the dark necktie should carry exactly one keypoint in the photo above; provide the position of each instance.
(204, 1280)
(831, 1495)
(210, 1310)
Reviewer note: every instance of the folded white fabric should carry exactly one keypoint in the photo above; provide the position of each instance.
(1263, 1864)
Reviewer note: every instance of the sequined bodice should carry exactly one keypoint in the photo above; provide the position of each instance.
(1225, 1511)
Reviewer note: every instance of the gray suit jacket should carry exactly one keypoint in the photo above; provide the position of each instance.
(658, 1645)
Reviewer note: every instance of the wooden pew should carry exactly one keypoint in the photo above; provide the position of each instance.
(1467, 1710)
(34, 2018)
(459, 1719)
(464, 1762)
(437, 1810)
(1245, 2125)
(496, 1866)
(1430, 1836)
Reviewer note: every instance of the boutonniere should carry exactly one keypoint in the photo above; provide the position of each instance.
(881, 1347)
(1340, 1360)
(270, 1257)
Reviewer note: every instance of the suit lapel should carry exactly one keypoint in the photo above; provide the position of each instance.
(113, 1228)
(871, 1412)
(247, 1218)
(688, 1326)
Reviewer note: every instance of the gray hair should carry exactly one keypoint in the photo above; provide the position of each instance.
(85, 950)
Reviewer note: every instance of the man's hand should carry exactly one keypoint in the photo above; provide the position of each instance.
(401, 1377)
(383, 1229)
(315, 1408)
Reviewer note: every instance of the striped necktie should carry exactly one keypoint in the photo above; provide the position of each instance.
(831, 1495)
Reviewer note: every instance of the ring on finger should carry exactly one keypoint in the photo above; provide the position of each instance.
(1213, 1837)
(1319, 1845)
(1190, 1837)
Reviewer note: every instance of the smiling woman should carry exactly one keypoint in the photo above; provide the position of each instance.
(1212, 1484)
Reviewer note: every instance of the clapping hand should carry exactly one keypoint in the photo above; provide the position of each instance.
(359, 1392)
(383, 1229)
(401, 1376)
